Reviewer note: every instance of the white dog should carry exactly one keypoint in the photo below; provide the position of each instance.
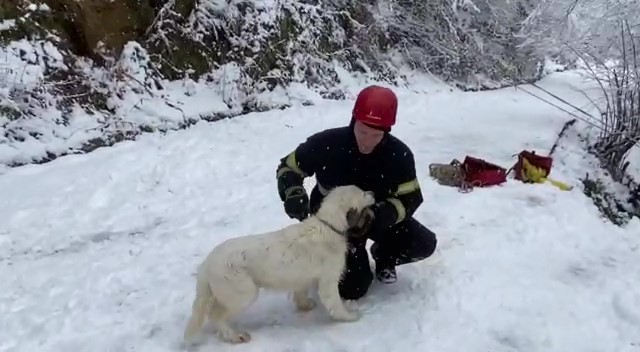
(290, 259)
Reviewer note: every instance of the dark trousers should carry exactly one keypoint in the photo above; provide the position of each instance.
(406, 242)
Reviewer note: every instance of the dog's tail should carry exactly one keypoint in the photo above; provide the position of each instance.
(204, 298)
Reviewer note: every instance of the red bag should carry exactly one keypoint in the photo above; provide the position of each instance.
(481, 173)
(543, 162)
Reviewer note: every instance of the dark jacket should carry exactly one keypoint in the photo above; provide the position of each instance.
(333, 157)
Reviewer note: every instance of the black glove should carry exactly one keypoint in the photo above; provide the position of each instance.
(360, 223)
(296, 203)
(384, 217)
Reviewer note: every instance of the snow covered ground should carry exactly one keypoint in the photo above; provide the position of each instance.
(97, 252)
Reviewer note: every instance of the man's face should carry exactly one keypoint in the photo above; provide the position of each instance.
(366, 137)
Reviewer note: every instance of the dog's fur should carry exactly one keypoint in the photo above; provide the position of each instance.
(290, 259)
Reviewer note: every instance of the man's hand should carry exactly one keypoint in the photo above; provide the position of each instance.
(296, 203)
(383, 218)
(360, 223)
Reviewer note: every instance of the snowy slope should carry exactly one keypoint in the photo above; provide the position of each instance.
(97, 252)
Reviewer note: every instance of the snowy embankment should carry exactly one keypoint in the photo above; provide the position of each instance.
(36, 128)
(97, 252)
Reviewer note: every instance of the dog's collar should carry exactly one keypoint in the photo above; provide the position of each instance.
(324, 222)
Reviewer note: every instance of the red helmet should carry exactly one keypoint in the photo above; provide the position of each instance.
(377, 107)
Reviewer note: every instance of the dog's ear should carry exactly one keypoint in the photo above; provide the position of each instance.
(353, 217)
(359, 222)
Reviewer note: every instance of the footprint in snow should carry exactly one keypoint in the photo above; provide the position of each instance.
(535, 201)
(222, 222)
(626, 307)
(609, 261)
(511, 340)
(153, 331)
(578, 274)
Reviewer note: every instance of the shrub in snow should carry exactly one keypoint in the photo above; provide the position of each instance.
(618, 76)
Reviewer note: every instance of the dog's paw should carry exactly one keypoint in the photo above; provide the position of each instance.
(306, 305)
(237, 337)
(243, 337)
(346, 316)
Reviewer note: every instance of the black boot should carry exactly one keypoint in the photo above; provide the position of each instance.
(386, 275)
(385, 269)
(407, 242)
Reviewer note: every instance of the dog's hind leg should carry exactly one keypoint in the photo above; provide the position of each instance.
(330, 298)
(302, 300)
(231, 298)
(199, 309)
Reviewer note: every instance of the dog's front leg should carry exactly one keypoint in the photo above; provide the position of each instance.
(302, 300)
(330, 298)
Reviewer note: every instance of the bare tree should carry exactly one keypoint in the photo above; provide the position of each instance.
(558, 28)
(619, 80)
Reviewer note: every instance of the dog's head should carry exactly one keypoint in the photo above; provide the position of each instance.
(359, 222)
(349, 205)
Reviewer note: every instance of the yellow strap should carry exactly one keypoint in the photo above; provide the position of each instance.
(292, 163)
(560, 185)
(400, 209)
(407, 187)
(539, 175)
